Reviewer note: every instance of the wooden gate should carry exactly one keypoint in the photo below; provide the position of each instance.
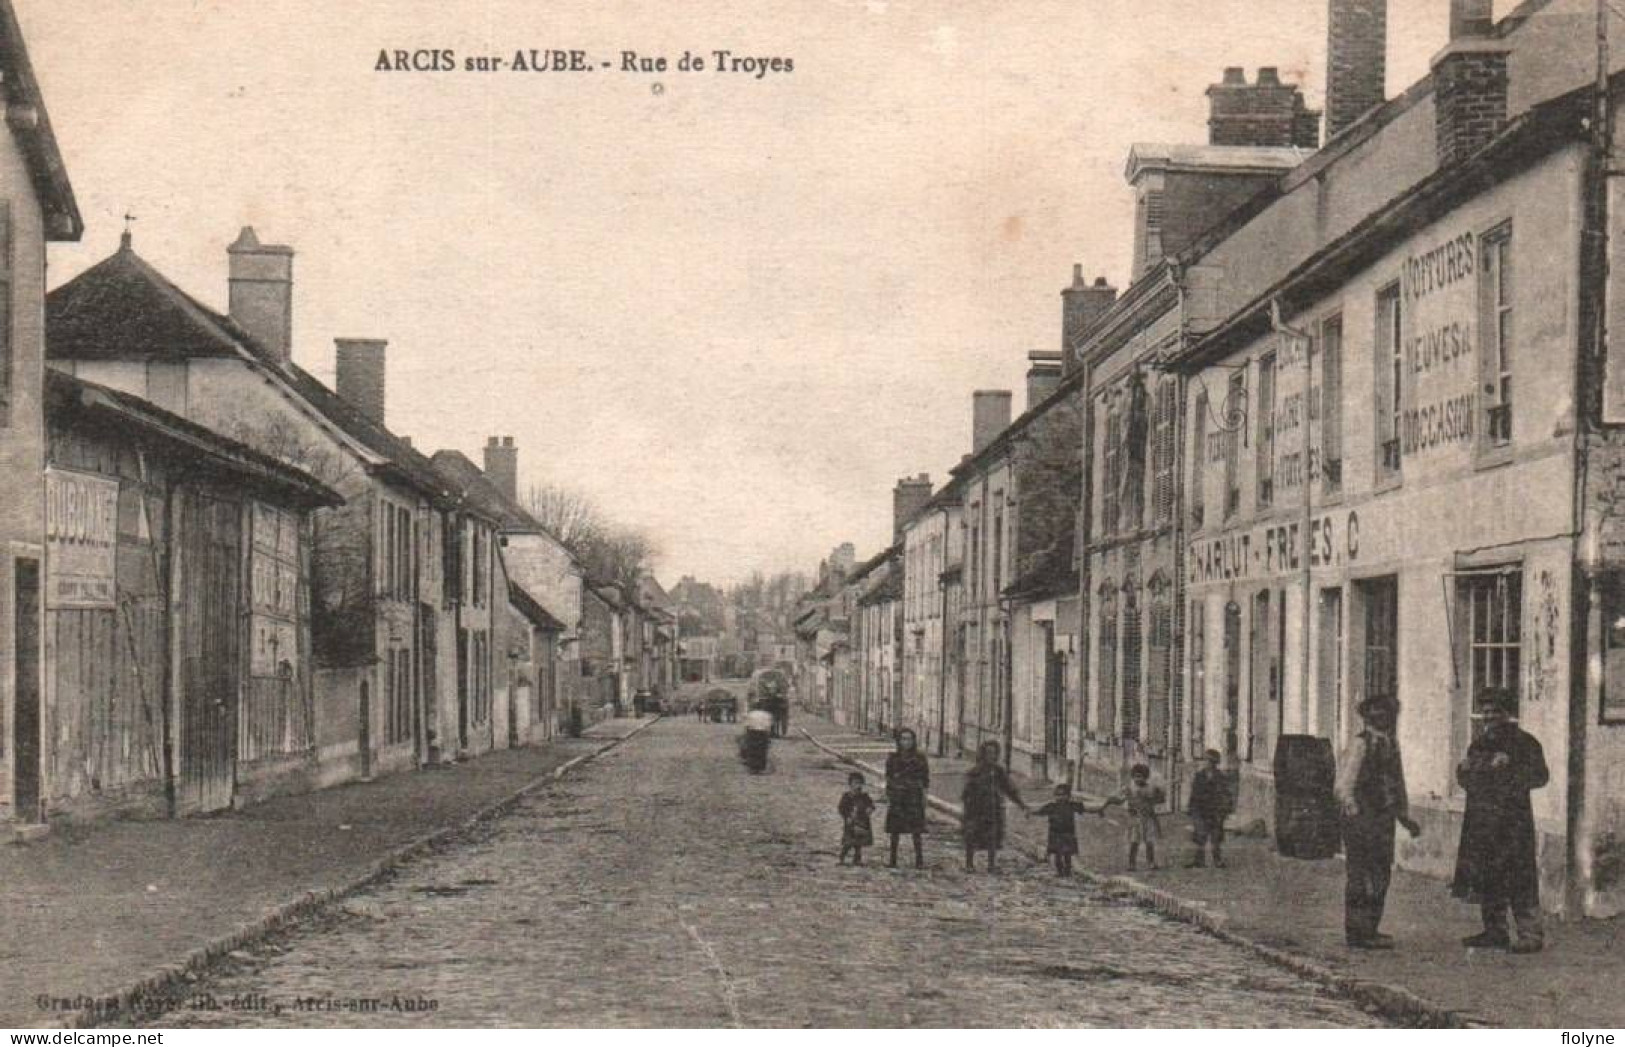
(209, 633)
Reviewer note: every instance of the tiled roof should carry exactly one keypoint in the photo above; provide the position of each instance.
(124, 309)
(483, 496)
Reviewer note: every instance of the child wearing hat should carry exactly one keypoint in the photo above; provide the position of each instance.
(1210, 804)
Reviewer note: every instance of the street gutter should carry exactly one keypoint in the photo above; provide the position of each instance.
(137, 1000)
(1393, 1002)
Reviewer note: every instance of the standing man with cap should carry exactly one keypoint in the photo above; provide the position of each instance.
(1371, 794)
(1495, 862)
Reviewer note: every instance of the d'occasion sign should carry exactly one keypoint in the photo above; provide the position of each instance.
(81, 540)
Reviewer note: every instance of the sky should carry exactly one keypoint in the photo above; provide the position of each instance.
(733, 310)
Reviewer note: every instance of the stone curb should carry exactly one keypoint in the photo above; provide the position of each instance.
(162, 983)
(1393, 1002)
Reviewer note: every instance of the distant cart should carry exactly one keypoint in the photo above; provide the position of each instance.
(721, 706)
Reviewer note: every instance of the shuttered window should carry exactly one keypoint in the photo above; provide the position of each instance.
(1162, 469)
(1199, 460)
(1265, 449)
(1390, 363)
(1159, 671)
(1112, 474)
(1133, 644)
(1106, 677)
(1331, 405)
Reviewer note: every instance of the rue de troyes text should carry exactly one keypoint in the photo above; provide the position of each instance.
(554, 60)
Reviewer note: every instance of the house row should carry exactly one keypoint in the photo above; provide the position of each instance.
(225, 580)
(1352, 429)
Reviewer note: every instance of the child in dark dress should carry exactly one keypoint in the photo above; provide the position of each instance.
(855, 807)
(1063, 832)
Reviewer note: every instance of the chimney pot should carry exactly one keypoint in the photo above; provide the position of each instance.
(1269, 113)
(360, 371)
(908, 498)
(502, 466)
(1081, 306)
(990, 416)
(1235, 74)
(1471, 19)
(260, 292)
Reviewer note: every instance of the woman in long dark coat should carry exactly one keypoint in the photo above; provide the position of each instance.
(986, 786)
(1495, 863)
(907, 776)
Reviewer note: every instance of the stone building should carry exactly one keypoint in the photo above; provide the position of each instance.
(931, 680)
(403, 600)
(36, 207)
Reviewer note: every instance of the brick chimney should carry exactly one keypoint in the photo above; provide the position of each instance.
(360, 379)
(990, 416)
(907, 499)
(260, 291)
(1043, 375)
(1264, 113)
(502, 466)
(1469, 82)
(1081, 305)
(1356, 61)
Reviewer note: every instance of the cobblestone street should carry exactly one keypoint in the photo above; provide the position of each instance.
(664, 886)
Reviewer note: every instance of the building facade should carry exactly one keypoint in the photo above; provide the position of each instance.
(37, 207)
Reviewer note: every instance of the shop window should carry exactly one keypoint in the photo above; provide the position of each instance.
(1612, 594)
(1331, 405)
(1232, 679)
(1496, 334)
(1491, 605)
(1390, 379)
(1380, 669)
(1264, 448)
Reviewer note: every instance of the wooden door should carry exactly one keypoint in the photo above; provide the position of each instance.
(27, 781)
(209, 635)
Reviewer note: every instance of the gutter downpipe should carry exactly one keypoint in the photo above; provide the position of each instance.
(1085, 528)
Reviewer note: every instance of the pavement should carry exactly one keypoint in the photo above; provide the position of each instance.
(663, 886)
(1295, 907)
(90, 909)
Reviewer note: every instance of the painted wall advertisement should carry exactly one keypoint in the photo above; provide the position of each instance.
(81, 541)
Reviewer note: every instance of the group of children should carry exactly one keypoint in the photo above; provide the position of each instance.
(1209, 805)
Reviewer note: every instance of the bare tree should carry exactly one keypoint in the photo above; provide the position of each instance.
(610, 551)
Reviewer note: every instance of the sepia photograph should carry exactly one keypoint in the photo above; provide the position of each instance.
(816, 514)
